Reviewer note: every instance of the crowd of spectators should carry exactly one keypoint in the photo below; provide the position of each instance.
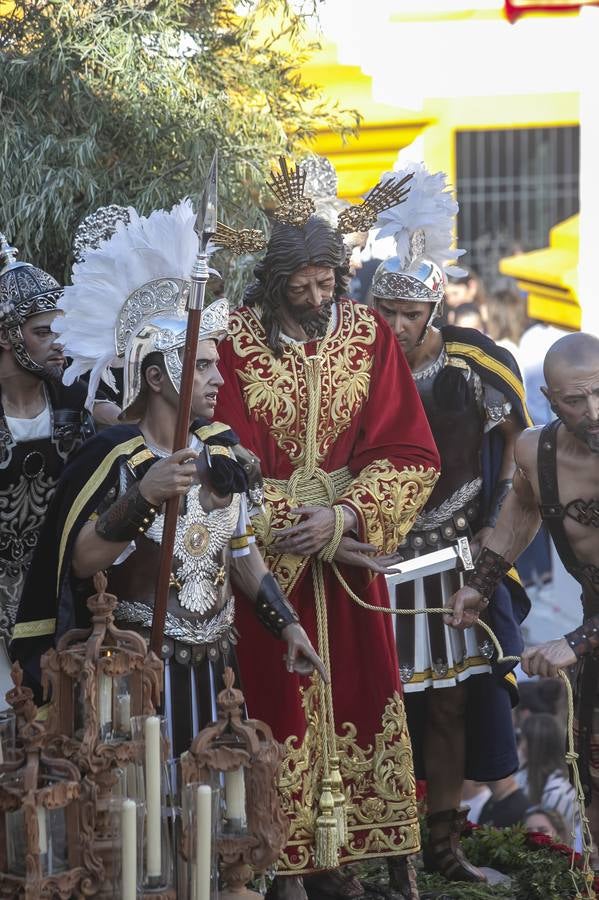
(539, 795)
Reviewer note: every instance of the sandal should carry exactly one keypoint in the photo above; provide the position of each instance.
(443, 853)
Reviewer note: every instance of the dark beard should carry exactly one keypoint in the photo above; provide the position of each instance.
(314, 322)
(53, 373)
(587, 437)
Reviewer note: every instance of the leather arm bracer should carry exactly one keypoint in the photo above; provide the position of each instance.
(586, 638)
(489, 570)
(127, 518)
(273, 608)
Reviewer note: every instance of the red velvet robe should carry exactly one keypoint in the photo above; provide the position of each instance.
(372, 431)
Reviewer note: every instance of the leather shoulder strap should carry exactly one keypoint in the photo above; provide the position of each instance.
(550, 507)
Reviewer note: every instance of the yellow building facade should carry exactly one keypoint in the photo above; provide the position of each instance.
(437, 122)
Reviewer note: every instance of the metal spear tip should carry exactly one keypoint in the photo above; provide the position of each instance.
(8, 254)
(206, 219)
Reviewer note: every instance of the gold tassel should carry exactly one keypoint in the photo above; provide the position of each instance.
(339, 804)
(327, 839)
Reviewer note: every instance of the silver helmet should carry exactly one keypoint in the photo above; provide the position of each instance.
(128, 299)
(420, 280)
(25, 291)
(422, 229)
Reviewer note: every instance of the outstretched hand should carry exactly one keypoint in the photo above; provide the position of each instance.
(301, 657)
(464, 608)
(351, 552)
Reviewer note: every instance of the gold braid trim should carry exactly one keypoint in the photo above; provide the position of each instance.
(387, 500)
(33, 629)
(207, 431)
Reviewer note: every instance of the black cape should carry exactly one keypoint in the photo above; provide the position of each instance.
(53, 601)
(496, 366)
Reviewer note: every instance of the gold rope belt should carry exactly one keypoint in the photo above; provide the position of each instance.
(318, 489)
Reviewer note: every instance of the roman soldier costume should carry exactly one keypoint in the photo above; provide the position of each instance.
(128, 301)
(33, 452)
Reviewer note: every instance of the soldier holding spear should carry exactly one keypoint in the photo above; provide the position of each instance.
(127, 308)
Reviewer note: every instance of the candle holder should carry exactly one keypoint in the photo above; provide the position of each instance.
(8, 734)
(99, 678)
(46, 814)
(243, 756)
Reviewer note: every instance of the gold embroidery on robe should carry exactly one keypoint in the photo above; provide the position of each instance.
(388, 500)
(379, 785)
(276, 390)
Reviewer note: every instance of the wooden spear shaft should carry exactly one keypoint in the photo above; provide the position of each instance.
(205, 227)
(172, 505)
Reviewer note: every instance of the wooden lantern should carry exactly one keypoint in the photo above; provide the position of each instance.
(98, 679)
(46, 815)
(241, 755)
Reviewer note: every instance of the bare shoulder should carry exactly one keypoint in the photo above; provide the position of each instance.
(526, 449)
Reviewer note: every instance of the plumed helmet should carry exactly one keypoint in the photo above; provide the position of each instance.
(421, 228)
(128, 299)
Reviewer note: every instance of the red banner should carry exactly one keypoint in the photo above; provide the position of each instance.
(516, 8)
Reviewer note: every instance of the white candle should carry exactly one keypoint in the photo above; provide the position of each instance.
(129, 849)
(105, 703)
(153, 799)
(194, 882)
(42, 840)
(235, 796)
(123, 702)
(203, 841)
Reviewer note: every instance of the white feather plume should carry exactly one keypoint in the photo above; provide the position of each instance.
(430, 207)
(162, 245)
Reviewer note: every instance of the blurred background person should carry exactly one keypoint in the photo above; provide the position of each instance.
(468, 315)
(474, 796)
(544, 695)
(543, 775)
(549, 822)
(534, 344)
(506, 806)
(468, 288)
(507, 319)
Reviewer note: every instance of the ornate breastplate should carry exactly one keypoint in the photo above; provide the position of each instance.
(201, 544)
(458, 434)
(29, 472)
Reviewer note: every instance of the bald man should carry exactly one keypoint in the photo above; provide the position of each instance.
(557, 480)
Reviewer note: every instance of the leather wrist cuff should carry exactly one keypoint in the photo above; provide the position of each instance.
(586, 638)
(502, 489)
(273, 608)
(489, 569)
(126, 519)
